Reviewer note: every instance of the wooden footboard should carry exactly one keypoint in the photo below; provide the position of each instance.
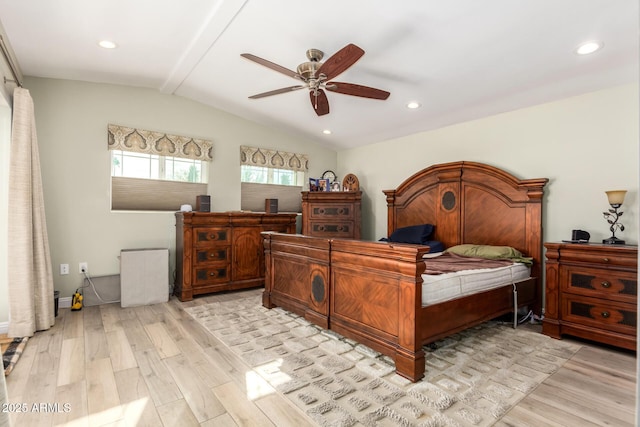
(371, 292)
(376, 294)
(297, 275)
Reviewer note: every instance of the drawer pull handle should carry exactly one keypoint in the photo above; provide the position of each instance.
(605, 314)
(212, 274)
(606, 284)
(605, 259)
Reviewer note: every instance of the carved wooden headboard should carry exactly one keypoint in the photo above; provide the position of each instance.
(474, 203)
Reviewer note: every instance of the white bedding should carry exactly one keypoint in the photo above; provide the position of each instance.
(443, 287)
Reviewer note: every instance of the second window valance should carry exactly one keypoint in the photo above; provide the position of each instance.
(263, 157)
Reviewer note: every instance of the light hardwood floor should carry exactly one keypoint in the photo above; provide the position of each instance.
(155, 366)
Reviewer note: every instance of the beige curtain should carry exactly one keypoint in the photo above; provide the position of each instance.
(30, 276)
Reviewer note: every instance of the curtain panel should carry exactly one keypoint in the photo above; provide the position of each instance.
(31, 300)
(163, 144)
(263, 157)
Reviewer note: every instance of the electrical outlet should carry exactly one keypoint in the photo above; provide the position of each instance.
(64, 269)
(83, 267)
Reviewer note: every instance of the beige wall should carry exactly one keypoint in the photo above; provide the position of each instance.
(71, 120)
(585, 145)
(5, 138)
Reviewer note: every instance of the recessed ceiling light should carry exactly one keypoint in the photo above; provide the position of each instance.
(413, 105)
(107, 44)
(589, 47)
(327, 132)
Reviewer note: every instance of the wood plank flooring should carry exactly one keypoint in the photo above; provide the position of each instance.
(155, 366)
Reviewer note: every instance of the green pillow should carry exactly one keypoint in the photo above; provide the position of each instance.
(490, 252)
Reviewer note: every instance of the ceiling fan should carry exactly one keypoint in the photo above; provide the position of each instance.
(316, 76)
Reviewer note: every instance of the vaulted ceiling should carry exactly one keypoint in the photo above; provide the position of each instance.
(460, 59)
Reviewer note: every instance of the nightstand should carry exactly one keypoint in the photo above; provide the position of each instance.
(591, 292)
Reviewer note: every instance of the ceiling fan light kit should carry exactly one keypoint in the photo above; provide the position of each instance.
(316, 76)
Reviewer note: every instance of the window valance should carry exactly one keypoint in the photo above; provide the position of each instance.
(263, 157)
(162, 144)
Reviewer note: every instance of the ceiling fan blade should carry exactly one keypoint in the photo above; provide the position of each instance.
(273, 66)
(357, 90)
(340, 61)
(319, 102)
(277, 91)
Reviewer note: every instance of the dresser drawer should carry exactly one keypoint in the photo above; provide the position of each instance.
(214, 254)
(599, 257)
(332, 211)
(211, 274)
(599, 283)
(600, 314)
(332, 229)
(208, 236)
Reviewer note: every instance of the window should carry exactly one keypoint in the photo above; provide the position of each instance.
(271, 174)
(264, 175)
(156, 171)
(152, 166)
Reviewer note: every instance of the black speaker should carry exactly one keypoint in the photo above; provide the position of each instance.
(203, 203)
(271, 206)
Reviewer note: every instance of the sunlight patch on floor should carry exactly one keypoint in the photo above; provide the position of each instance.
(259, 383)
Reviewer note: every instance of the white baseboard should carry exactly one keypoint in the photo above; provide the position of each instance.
(62, 303)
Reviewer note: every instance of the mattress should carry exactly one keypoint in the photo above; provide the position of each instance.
(444, 287)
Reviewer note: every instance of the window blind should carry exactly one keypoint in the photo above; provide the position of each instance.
(138, 194)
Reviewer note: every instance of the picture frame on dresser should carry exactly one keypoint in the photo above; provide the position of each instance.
(323, 184)
(591, 292)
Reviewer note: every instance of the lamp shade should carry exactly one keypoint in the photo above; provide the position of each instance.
(616, 197)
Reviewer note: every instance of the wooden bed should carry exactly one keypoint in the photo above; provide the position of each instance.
(372, 291)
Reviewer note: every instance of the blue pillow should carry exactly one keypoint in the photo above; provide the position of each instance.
(416, 234)
(434, 246)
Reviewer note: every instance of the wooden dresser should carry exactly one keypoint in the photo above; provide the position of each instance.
(222, 251)
(591, 292)
(331, 214)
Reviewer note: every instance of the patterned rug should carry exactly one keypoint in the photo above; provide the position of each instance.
(472, 378)
(12, 349)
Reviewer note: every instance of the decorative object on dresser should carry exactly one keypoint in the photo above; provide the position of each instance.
(331, 214)
(222, 251)
(591, 292)
(330, 175)
(350, 183)
(616, 198)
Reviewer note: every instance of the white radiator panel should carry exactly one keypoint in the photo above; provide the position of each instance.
(144, 276)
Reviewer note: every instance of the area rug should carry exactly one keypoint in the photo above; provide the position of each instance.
(472, 378)
(12, 349)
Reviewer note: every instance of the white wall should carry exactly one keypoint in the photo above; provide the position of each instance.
(71, 120)
(585, 145)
